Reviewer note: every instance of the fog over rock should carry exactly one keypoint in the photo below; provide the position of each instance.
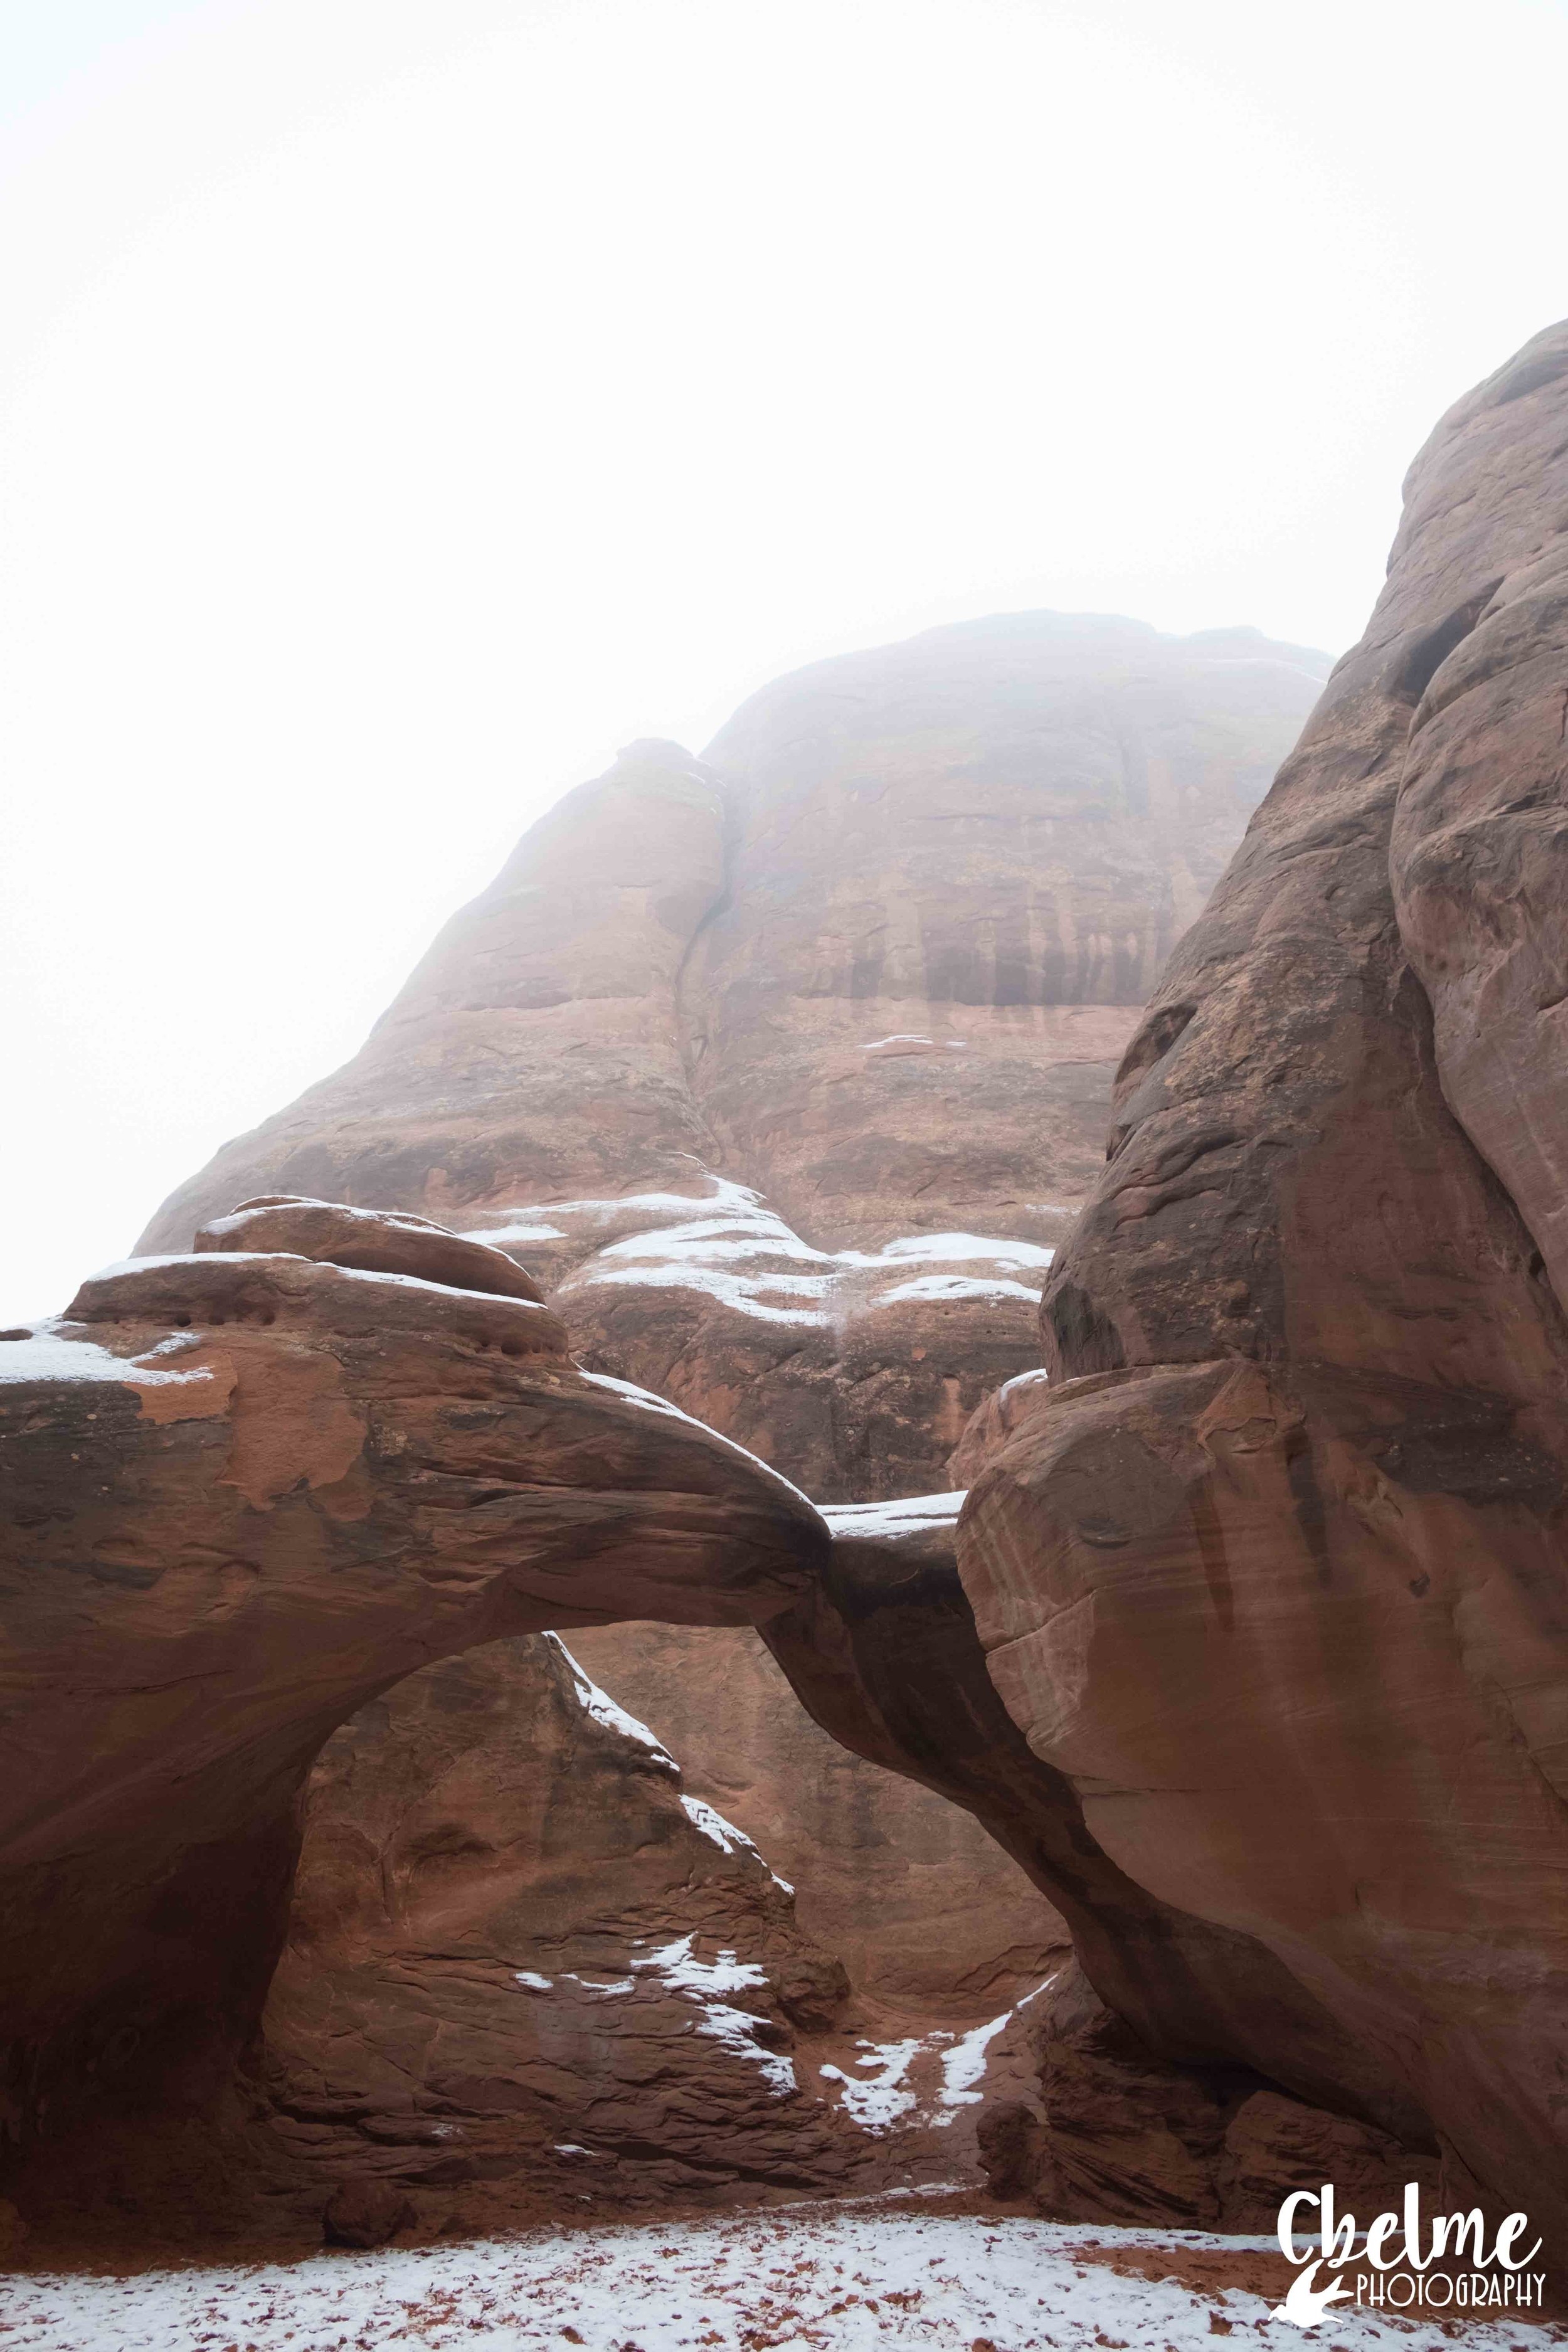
(784, 1071)
(1234, 1631)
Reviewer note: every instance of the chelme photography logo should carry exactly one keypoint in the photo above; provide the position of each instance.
(1398, 2260)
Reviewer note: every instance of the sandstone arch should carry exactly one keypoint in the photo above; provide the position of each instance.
(250, 1487)
(259, 1483)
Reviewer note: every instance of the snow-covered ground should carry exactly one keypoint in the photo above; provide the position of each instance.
(796, 2279)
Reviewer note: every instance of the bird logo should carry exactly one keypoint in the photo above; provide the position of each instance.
(1303, 2307)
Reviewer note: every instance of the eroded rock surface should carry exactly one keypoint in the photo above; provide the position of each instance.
(517, 1946)
(784, 1070)
(886, 1875)
(959, 866)
(520, 1965)
(527, 1968)
(248, 1491)
(1107, 2131)
(524, 1966)
(882, 1649)
(1274, 1574)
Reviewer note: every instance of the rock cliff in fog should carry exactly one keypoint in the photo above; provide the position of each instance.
(778, 1084)
(784, 1070)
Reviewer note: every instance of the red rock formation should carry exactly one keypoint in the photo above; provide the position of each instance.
(1274, 1575)
(524, 1967)
(882, 1649)
(1109, 2134)
(886, 1875)
(283, 1518)
(462, 2021)
(959, 866)
(929, 1915)
(1256, 1663)
(248, 1492)
(782, 1071)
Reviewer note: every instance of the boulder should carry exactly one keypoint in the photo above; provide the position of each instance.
(1112, 2133)
(367, 2213)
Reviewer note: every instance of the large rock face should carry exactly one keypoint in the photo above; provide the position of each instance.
(1273, 1573)
(881, 1647)
(884, 1875)
(458, 2011)
(959, 864)
(784, 1070)
(1105, 2133)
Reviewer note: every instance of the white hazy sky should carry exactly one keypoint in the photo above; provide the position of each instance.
(404, 403)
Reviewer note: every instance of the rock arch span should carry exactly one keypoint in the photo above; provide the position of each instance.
(251, 1487)
(255, 1486)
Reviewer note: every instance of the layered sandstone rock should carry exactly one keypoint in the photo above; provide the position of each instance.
(886, 1875)
(528, 1969)
(1273, 1573)
(525, 1967)
(960, 864)
(934, 1920)
(784, 1070)
(517, 1954)
(882, 1649)
(248, 1491)
(1108, 2133)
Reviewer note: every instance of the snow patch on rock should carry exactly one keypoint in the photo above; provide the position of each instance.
(946, 1286)
(598, 1704)
(734, 1250)
(964, 2065)
(958, 1247)
(882, 2097)
(726, 1837)
(705, 1982)
(887, 2092)
(901, 1516)
(45, 1353)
